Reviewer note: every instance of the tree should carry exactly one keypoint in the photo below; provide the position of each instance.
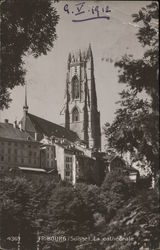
(135, 129)
(23, 208)
(138, 221)
(18, 211)
(131, 214)
(68, 216)
(143, 73)
(115, 191)
(27, 28)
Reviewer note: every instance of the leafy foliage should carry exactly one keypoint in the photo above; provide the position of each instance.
(116, 208)
(18, 210)
(144, 73)
(27, 27)
(68, 212)
(23, 208)
(135, 129)
(137, 220)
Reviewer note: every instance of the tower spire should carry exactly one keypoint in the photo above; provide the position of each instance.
(89, 52)
(25, 107)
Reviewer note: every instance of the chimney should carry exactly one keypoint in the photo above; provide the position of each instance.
(6, 120)
(35, 136)
(15, 124)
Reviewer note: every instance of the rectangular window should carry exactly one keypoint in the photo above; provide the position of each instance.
(67, 173)
(68, 159)
(67, 166)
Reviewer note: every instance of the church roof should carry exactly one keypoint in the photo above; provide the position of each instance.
(48, 128)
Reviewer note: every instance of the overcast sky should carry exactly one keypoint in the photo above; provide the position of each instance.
(109, 39)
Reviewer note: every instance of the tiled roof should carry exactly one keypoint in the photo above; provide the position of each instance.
(8, 131)
(48, 128)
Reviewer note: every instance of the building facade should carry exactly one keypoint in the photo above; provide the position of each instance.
(80, 110)
(17, 148)
(48, 154)
(66, 158)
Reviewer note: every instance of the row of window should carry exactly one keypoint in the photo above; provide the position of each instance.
(51, 164)
(50, 155)
(16, 152)
(16, 160)
(16, 144)
(51, 148)
(68, 166)
(68, 159)
(68, 173)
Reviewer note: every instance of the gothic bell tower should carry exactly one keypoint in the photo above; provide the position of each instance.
(80, 109)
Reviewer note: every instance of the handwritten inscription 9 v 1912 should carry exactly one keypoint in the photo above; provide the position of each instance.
(82, 12)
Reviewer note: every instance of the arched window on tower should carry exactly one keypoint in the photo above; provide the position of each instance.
(75, 115)
(75, 88)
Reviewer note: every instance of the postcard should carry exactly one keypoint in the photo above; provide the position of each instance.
(79, 125)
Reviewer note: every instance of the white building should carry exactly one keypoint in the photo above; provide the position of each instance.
(17, 147)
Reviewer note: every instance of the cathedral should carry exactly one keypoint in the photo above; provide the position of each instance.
(80, 107)
(71, 150)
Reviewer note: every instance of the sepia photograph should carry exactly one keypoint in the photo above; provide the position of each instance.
(79, 125)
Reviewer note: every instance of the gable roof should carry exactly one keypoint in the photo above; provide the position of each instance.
(8, 131)
(45, 127)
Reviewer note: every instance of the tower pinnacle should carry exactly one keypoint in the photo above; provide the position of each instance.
(89, 52)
